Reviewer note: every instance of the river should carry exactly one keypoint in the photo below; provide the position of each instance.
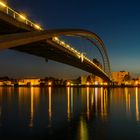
(70, 113)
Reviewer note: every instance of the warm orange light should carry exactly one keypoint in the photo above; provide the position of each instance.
(82, 57)
(68, 46)
(87, 83)
(62, 43)
(37, 27)
(96, 83)
(136, 82)
(105, 83)
(68, 83)
(55, 38)
(3, 4)
(22, 17)
(49, 83)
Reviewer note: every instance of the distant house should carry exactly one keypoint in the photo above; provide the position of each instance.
(29, 82)
(91, 79)
(120, 77)
(8, 83)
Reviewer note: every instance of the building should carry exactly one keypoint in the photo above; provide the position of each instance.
(8, 83)
(29, 82)
(83, 79)
(1, 83)
(121, 77)
(91, 79)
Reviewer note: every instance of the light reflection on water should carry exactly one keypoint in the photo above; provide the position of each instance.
(70, 113)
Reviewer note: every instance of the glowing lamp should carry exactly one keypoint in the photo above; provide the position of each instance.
(87, 83)
(22, 17)
(55, 38)
(136, 82)
(49, 83)
(68, 46)
(62, 43)
(37, 27)
(68, 83)
(3, 4)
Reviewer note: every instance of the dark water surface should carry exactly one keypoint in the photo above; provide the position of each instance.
(70, 113)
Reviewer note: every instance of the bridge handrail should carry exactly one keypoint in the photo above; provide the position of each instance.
(62, 43)
(9, 11)
(6, 9)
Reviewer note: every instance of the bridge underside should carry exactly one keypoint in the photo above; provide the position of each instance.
(55, 52)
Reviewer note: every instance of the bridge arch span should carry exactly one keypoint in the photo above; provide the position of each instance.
(18, 39)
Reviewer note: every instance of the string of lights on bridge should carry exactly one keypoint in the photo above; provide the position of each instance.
(20, 17)
(79, 54)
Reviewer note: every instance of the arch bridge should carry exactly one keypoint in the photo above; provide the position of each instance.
(19, 33)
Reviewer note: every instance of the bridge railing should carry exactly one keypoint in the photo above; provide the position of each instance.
(77, 53)
(6, 9)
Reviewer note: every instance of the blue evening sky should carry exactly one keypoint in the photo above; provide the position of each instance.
(116, 22)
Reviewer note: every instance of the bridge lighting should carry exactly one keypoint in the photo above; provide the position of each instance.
(3, 4)
(56, 39)
(62, 43)
(78, 55)
(22, 17)
(37, 27)
(68, 46)
(72, 48)
(82, 57)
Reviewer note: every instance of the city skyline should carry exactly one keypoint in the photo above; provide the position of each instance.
(113, 21)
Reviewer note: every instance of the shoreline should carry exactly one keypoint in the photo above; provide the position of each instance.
(81, 86)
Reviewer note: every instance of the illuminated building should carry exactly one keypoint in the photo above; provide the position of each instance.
(138, 80)
(120, 77)
(91, 79)
(8, 83)
(1, 83)
(29, 82)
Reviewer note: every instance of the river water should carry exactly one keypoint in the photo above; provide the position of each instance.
(70, 113)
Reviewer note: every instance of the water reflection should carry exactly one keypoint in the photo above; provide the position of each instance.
(69, 103)
(127, 100)
(0, 106)
(50, 105)
(71, 92)
(96, 97)
(32, 108)
(83, 129)
(101, 102)
(104, 103)
(137, 105)
(90, 109)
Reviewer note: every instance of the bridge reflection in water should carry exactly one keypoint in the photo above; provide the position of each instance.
(69, 111)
